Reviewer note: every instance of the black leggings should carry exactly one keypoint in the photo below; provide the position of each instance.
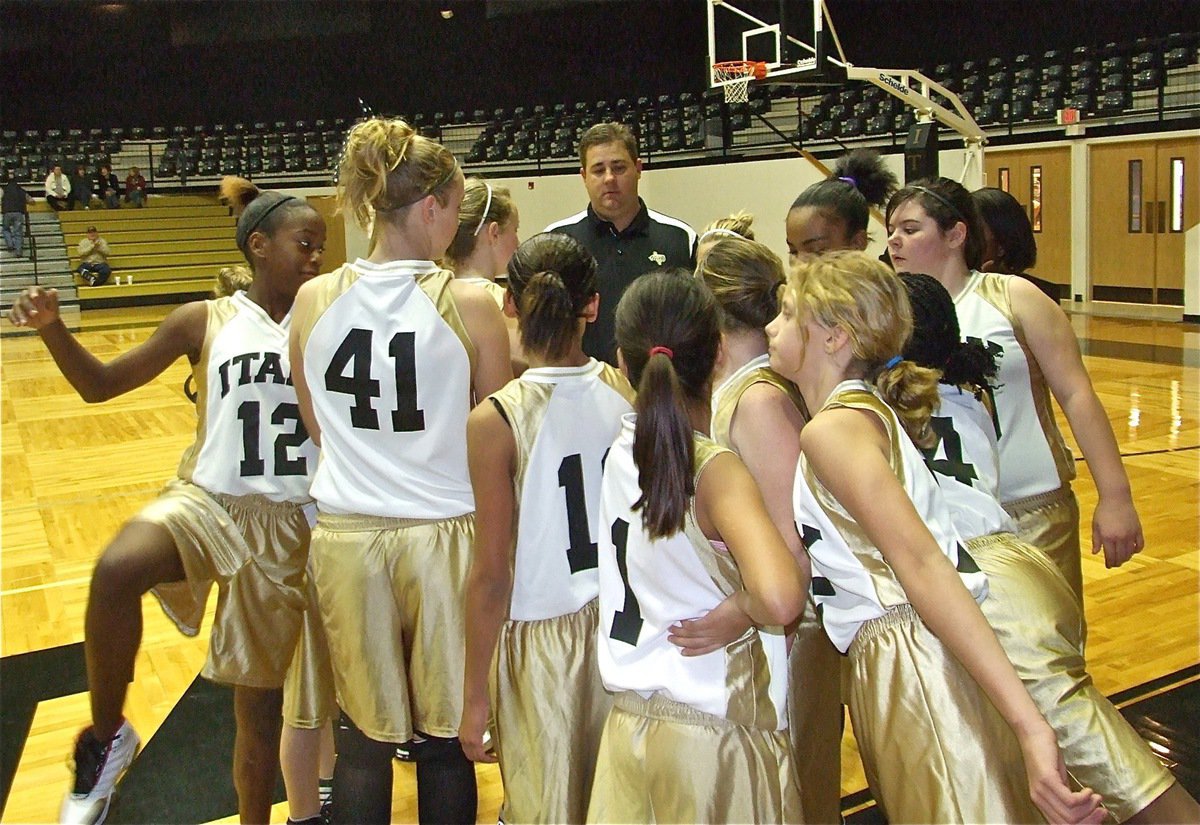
(362, 780)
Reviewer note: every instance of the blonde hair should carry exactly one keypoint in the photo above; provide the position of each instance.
(387, 166)
(478, 196)
(856, 292)
(745, 277)
(739, 223)
(231, 279)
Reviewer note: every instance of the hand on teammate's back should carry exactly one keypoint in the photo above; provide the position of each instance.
(35, 308)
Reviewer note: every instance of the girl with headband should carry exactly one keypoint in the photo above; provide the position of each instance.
(483, 245)
(233, 518)
(390, 352)
(683, 531)
(934, 228)
(536, 450)
(946, 730)
(1029, 604)
(834, 213)
(758, 414)
(738, 225)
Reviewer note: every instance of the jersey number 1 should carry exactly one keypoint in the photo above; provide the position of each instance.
(627, 622)
(581, 555)
(355, 352)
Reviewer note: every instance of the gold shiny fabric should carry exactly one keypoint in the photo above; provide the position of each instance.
(254, 551)
(391, 593)
(309, 700)
(815, 718)
(1032, 610)
(933, 746)
(550, 706)
(1050, 522)
(662, 761)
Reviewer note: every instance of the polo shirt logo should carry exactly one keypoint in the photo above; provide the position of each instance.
(657, 258)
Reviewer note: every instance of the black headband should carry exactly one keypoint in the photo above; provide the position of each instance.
(243, 234)
(945, 202)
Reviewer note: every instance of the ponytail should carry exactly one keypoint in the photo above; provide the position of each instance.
(936, 340)
(912, 392)
(663, 448)
(547, 316)
(668, 331)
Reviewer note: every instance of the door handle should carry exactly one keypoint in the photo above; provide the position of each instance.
(1148, 218)
(1162, 217)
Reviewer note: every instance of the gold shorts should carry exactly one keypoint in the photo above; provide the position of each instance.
(254, 550)
(1033, 611)
(815, 718)
(1050, 522)
(933, 746)
(550, 706)
(391, 593)
(309, 700)
(663, 761)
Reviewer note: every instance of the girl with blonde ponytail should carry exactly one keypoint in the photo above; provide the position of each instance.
(897, 589)
(390, 352)
(536, 451)
(683, 531)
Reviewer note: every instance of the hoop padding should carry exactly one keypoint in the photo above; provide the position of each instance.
(735, 77)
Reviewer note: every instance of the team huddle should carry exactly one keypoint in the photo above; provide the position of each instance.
(720, 500)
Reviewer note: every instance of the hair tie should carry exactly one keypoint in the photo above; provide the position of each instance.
(893, 361)
(667, 351)
(486, 207)
(945, 202)
(718, 230)
(849, 180)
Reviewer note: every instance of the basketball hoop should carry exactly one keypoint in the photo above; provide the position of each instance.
(735, 76)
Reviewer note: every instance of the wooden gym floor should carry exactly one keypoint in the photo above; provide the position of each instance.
(73, 473)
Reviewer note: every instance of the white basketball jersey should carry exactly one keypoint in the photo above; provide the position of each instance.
(852, 582)
(249, 436)
(1034, 459)
(965, 462)
(563, 419)
(388, 366)
(647, 585)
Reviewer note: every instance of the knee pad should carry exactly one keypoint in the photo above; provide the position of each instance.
(359, 749)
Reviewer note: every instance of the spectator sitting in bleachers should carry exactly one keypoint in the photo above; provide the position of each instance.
(93, 258)
(108, 189)
(135, 187)
(16, 201)
(81, 188)
(58, 190)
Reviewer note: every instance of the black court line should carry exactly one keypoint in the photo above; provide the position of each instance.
(1162, 451)
(1151, 353)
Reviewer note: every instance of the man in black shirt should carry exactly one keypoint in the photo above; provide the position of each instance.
(626, 238)
(16, 205)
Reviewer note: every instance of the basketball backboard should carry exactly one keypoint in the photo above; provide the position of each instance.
(790, 36)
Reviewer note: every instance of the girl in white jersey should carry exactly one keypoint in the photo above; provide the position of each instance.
(233, 518)
(390, 353)
(536, 450)
(683, 530)
(1029, 603)
(934, 228)
(485, 241)
(758, 414)
(931, 688)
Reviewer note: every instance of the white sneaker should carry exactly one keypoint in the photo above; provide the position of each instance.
(98, 768)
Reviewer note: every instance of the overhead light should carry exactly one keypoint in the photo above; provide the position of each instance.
(447, 14)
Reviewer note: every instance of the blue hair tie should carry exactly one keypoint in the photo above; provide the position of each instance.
(891, 362)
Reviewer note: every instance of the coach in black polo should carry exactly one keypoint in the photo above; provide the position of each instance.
(626, 238)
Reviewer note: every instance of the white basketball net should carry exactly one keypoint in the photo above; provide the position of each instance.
(736, 80)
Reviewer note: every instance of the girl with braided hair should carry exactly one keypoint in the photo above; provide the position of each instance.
(1030, 606)
(234, 517)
